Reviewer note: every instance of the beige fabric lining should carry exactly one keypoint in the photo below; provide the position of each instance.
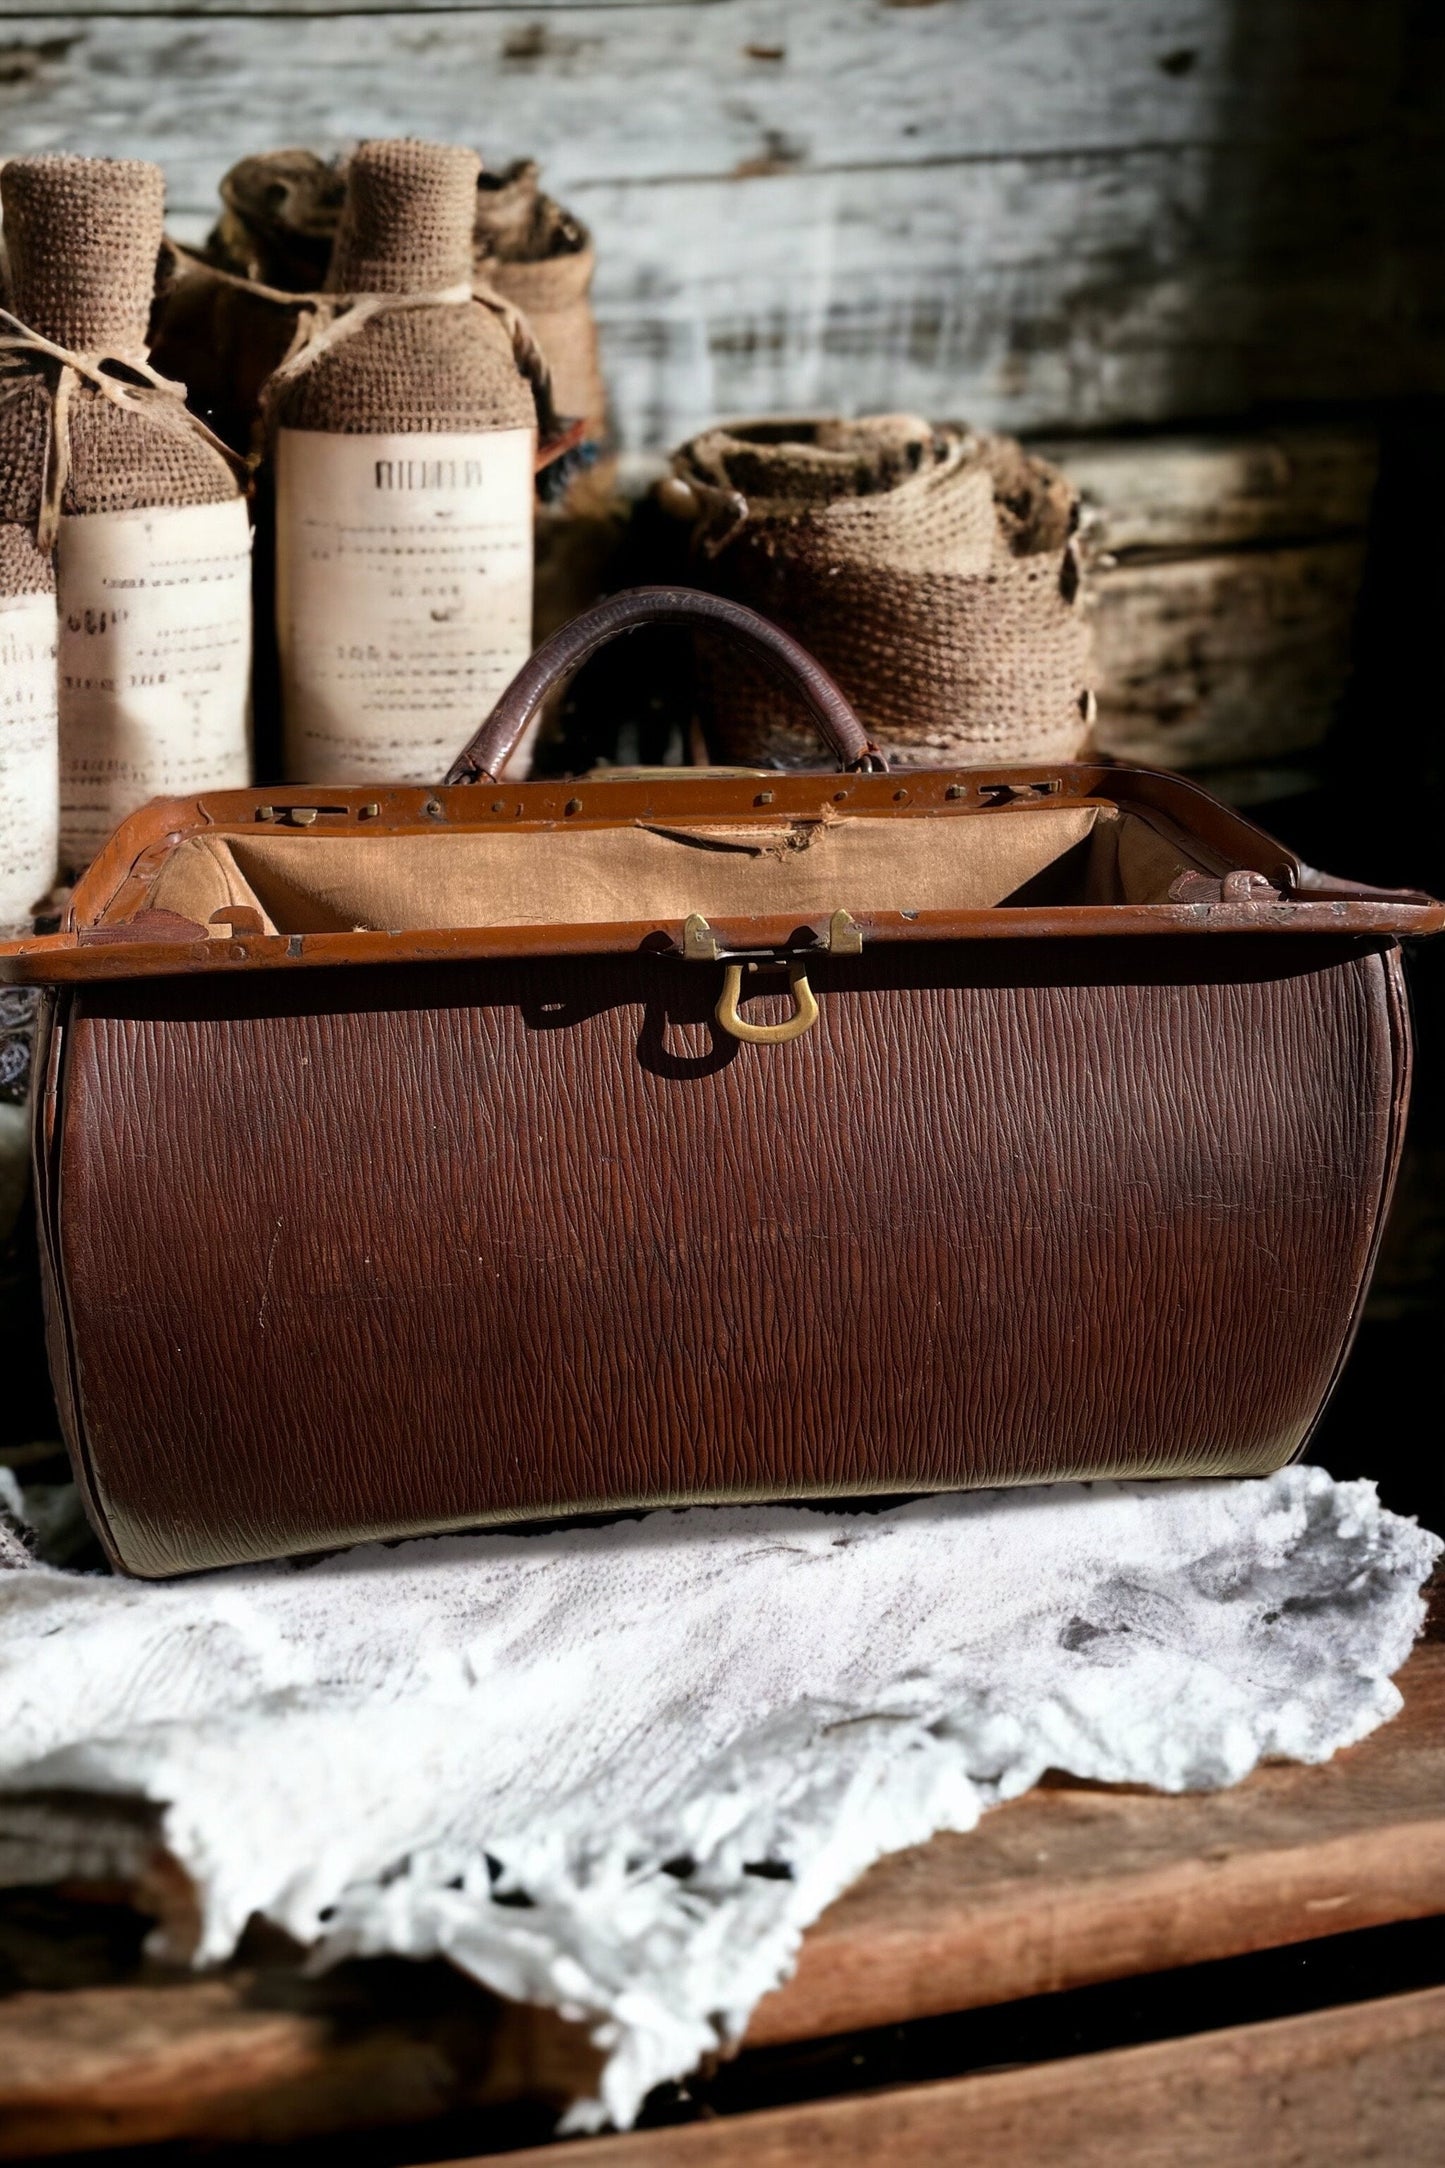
(1147, 862)
(593, 876)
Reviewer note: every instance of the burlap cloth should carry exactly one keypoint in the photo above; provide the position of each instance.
(932, 572)
(277, 229)
(406, 229)
(25, 568)
(86, 427)
(279, 225)
(541, 258)
(83, 237)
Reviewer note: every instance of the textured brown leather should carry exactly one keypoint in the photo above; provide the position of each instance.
(379, 1252)
(568, 648)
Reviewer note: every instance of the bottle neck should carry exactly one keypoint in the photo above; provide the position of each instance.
(407, 223)
(83, 237)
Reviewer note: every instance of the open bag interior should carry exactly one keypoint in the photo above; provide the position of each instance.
(601, 875)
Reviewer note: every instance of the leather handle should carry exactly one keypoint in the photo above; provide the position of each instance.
(568, 648)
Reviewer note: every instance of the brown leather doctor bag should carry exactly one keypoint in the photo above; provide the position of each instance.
(417, 1159)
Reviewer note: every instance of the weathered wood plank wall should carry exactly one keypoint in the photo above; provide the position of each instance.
(1041, 213)
(1223, 578)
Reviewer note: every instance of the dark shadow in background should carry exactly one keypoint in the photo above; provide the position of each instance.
(1349, 175)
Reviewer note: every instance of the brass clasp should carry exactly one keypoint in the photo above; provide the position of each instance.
(804, 1016)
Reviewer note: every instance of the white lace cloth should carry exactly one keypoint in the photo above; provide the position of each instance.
(625, 1725)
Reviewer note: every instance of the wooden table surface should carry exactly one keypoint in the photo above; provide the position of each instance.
(1071, 1886)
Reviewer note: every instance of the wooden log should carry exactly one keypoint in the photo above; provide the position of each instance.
(1361, 2084)
(1071, 1885)
(196, 2060)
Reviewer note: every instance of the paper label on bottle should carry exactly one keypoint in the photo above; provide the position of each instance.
(29, 755)
(403, 595)
(155, 662)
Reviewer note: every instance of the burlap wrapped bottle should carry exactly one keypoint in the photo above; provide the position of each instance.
(404, 438)
(278, 224)
(29, 716)
(933, 572)
(104, 465)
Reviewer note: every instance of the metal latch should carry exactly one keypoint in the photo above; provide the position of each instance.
(700, 943)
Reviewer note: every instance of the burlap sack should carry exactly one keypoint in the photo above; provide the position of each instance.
(932, 573)
(542, 259)
(276, 229)
(279, 215)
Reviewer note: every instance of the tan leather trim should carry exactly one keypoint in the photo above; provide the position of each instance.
(115, 930)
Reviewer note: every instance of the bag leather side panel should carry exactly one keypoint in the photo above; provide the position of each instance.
(381, 1252)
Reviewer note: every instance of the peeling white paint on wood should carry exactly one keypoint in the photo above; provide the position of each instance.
(627, 93)
(1039, 213)
(1026, 293)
